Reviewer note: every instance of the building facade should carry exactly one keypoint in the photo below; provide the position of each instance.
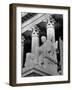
(41, 44)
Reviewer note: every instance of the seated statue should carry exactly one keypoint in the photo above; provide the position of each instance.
(45, 50)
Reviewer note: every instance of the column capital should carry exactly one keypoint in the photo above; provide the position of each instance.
(35, 30)
(50, 22)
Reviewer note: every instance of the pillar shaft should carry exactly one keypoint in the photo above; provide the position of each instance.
(35, 42)
(50, 31)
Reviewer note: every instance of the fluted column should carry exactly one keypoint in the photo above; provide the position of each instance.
(51, 36)
(50, 29)
(35, 42)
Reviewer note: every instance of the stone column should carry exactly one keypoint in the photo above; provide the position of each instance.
(51, 38)
(35, 42)
(51, 35)
(61, 55)
(50, 29)
(22, 49)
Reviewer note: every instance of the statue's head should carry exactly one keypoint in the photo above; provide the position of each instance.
(43, 39)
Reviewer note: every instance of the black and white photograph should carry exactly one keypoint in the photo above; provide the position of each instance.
(41, 44)
(40, 53)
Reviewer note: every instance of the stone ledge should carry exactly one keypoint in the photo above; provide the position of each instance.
(37, 69)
